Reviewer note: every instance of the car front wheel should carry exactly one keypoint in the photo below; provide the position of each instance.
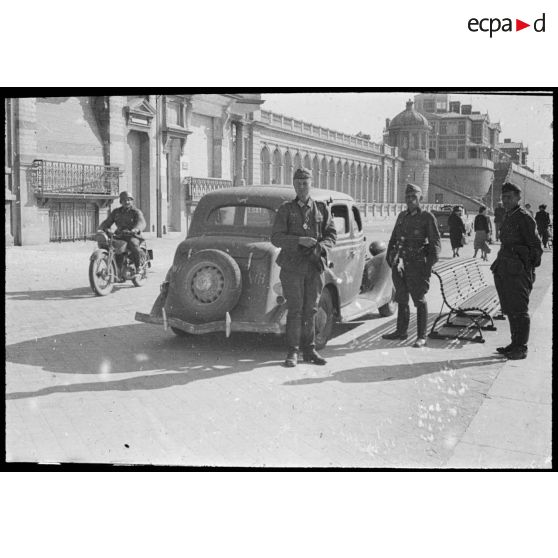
(325, 318)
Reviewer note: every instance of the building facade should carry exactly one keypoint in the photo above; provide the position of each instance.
(67, 159)
(278, 145)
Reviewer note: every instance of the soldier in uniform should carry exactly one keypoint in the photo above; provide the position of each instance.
(514, 269)
(304, 231)
(413, 249)
(129, 222)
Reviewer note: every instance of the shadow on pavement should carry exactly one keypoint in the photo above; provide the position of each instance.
(396, 372)
(139, 348)
(62, 294)
(373, 340)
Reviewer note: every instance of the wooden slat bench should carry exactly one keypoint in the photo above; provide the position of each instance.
(467, 295)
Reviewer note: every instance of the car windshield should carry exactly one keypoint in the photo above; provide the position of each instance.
(241, 216)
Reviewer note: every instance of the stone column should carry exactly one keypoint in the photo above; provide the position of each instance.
(218, 147)
(239, 152)
(32, 219)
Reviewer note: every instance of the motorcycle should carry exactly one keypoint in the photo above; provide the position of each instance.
(112, 263)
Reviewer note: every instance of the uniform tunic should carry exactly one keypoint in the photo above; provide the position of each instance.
(131, 218)
(413, 249)
(519, 255)
(127, 219)
(302, 268)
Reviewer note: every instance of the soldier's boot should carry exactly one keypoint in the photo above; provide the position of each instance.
(292, 357)
(522, 328)
(422, 319)
(513, 331)
(403, 316)
(309, 354)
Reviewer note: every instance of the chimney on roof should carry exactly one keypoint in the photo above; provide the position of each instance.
(507, 140)
(466, 109)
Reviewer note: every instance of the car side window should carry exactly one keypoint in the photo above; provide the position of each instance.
(340, 215)
(241, 216)
(357, 219)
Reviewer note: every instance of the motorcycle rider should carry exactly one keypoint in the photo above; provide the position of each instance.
(130, 222)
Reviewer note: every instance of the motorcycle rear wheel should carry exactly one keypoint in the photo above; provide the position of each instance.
(100, 275)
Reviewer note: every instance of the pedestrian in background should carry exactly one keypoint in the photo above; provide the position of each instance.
(514, 270)
(304, 230)
(483, 230)
(413, 249)
(542, 218)
(499, 213)
(457, 230)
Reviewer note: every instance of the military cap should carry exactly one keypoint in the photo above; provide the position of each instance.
(302, 174)
(510, 187)
(413, 189)
(126, 196)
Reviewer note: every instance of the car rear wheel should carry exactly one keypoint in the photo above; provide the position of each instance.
(325, 319)
(208, 285)
(389, 308)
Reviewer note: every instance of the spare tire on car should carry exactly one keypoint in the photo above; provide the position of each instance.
(207, 286)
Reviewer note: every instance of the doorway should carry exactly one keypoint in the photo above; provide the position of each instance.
(138, 144)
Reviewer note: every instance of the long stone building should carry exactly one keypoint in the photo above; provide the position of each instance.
(366, 170)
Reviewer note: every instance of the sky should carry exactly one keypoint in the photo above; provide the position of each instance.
(522, 118)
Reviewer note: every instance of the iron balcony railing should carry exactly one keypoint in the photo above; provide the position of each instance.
(55, 177)
(196, 188)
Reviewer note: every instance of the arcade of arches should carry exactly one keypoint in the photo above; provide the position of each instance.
(362, 181)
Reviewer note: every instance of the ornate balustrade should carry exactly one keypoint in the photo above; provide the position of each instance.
(55, 178)
(198, 187)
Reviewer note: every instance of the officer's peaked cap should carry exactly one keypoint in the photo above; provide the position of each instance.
(413, 189)
(511, 187)
(302, 174)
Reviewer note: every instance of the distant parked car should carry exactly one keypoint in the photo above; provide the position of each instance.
(442, 215)
(224, 276)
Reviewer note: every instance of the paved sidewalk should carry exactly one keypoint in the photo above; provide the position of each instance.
(86, 383)
(513, 427)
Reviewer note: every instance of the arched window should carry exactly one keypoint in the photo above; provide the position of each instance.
(297, 162)
(307, 163)
(288, 174)
(331, 181)
(339, 177)
(371, 185)
(352, 190)
(323, 177)
(277, 167)
(346, 177)
(389, 198)
(315, 172)
(265, 167)
(365, 192)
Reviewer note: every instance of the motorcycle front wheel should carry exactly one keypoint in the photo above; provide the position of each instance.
(100, 275)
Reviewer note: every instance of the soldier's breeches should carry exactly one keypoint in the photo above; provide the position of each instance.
(514, 292)
(415, 282)
(302, 292)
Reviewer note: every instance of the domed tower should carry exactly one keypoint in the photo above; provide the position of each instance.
(409, 131)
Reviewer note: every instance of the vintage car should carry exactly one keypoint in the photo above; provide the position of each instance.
(442, 215)
(224, 276)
